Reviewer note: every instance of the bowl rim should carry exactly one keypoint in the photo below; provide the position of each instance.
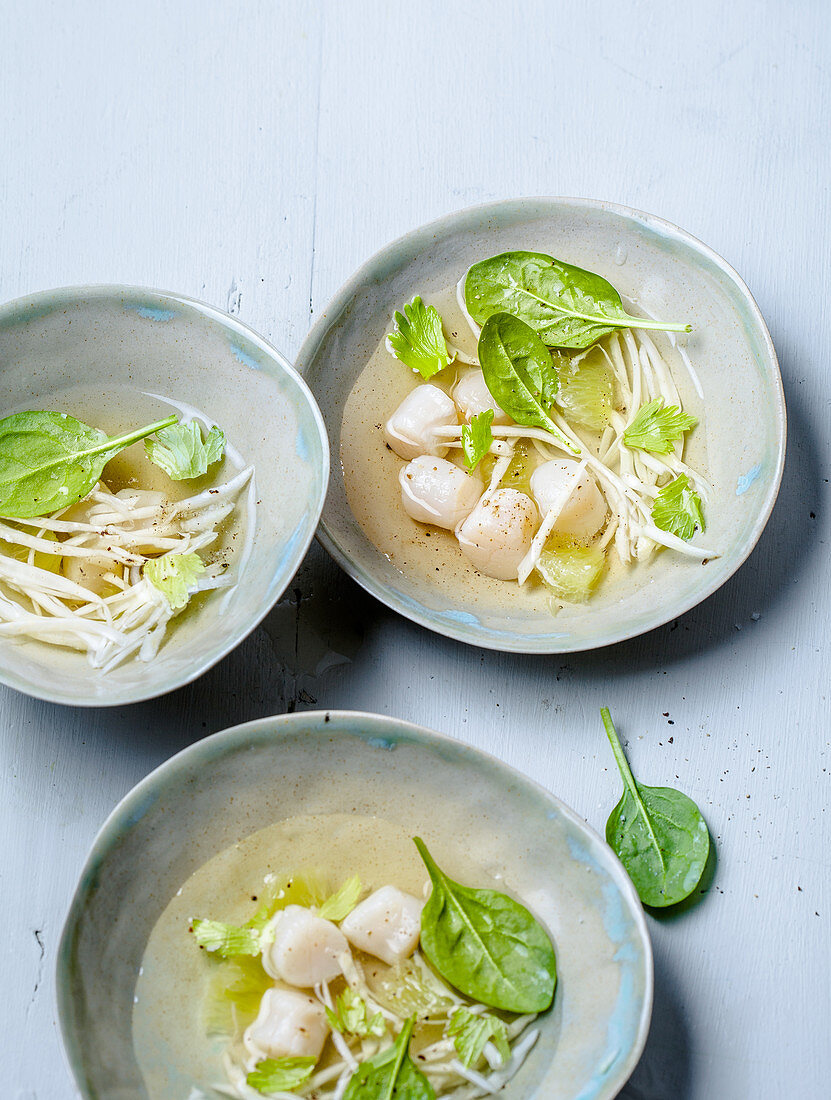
(273, 356)
(425, 235)
(273, 728)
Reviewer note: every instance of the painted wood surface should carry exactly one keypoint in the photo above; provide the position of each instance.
(253, 155)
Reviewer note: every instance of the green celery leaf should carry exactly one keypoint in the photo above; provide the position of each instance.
(226, 939)
(677, 509)
(280, 1074)
(471, 1031)
(418, 340)
(351, 1016)
(477, 438)
(308, 889)
(656, 428)
(175, 576)
(343, 901)
(181, 453)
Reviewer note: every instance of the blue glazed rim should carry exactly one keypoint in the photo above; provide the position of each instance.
(155, 305)
(463, 626)
(383, 733)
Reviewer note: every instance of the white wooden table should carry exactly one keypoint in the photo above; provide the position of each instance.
(253, 155)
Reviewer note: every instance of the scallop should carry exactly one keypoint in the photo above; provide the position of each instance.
(387, 925)
(304, 949)
(498, 533)
(411, 430)
(435, 491)
(472, 396)
(584, 511)
(288, 1025)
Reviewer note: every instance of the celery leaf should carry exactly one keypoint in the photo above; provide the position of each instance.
(656, 428)
(677, 508)
(175, 576)
(470, 1031)
(181, 452)
(343, 901)
(280, 1074)
(418, 340)
(477, 438)
(225, 939)
(351, 1016)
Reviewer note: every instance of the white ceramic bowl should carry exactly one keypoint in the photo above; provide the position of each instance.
(741, 441)
(132, 342)
(461, 801)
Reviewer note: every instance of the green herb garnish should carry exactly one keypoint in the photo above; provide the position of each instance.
(280, 1074)
(486, 944)
(343, 901)
(351, 1016)
(657, 427)
(49, 460)
(418, 340)
(658, 833)
(175, 576)
(677, 509)
(225, 939)
(471, 1031)
(477, 438)
(181, 452)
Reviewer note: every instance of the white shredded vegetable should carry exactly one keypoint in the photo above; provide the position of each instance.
(100, 603)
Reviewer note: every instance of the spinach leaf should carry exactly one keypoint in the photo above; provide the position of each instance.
(49, 460)
(519, 372)
(658, 833)
(567, 306)
(486, 944)
(390, 1075)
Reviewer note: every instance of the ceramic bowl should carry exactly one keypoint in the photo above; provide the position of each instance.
(667, 273)
(460, 800)
(127, 344)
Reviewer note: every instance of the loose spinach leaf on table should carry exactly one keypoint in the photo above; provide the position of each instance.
(486, 944)
(658, 833)
(519, 372)
(49, 460)
(565, 305)
(390, 1075)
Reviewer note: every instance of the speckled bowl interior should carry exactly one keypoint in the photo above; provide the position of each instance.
(132, 343)
(459, 799)
(740, 442)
